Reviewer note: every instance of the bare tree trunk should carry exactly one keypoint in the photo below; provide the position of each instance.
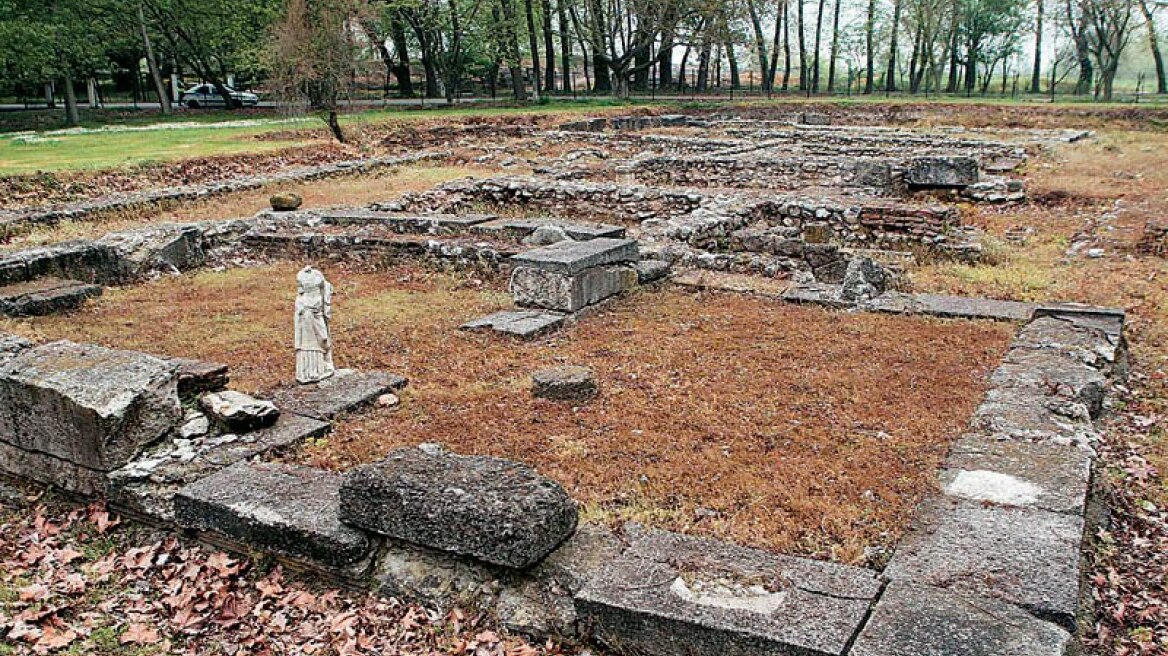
(835, 21)
(152, 64)
(511, 50)
(760, 45)
(818, 40)
(533, 43)
(870, 48)
(732, 59)
(1036, 74)
(72, 116)
(602, 77)
(549, 47)
(1154, 44)
(401, 69)
(665, 59)
(565, 44)
(334, 126)
(786, 47)
(802, 48)
(890, 80)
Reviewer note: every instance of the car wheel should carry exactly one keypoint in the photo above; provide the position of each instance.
(193, 104)
(236, 104)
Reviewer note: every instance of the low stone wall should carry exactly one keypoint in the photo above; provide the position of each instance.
(13, 220)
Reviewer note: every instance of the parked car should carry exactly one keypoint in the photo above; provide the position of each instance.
(206, 95)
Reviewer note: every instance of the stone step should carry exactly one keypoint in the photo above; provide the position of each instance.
(288, 509)
(577, 230)
(672, 594)
(406, 223)
(45, 296)
(346, 391)
(524, 324)
(572, 257)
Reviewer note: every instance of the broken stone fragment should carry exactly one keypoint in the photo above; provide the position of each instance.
(565, 383)
(497, 511)
(286, 201)
(863, 280)
(546, 235)
(237, 412)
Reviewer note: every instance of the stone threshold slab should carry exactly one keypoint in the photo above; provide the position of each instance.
(346, 391)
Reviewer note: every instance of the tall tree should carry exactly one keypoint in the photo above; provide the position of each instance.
(313, 56)
(1036, 72)
(870, 48)
(1154, 46)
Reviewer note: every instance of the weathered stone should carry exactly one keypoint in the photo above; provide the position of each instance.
(942, 172)
(863, 280)
(168, 248)
(1054, 375)
(572, 257)
(86, 404)
(286, 201)
(961, 307)
(817, 232)
(406, 223)
(45, 296)
(195, 424)
(1018, 472)
(524, 324)
(44, 468)
(546, 236)
(285, 508)
(872, 173)
(550, 290)
(670, 594)
(494, 510)
(577, 230)
(1098, 345)
(1029, 414)
(346, 391)
(1026, 557)
(237, 412)
(651, 271)
(914, 620)
(564, 383)
(148, 484)
(196, 377)
(12, 346)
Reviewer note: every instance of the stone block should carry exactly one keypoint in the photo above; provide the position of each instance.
(550, 290)
(670, 594)
(1026, 557)
(12, 346)
(1019, 472)
(961, 307)
(577, 230)
(406, 223)
(237, 412)
(286, 201)
(942, 172)
(1048, 373)
(524, 324)
(496, 511)
(572, 257)
(872, 173)
(168, 248)
(44, 468)
(864, 279)
(196, 377)
(346, 391)
(45, 296)
(914, 620)
(564, 383)
(1095, 343)
(88, 405)
(284, 508)
(651, 271)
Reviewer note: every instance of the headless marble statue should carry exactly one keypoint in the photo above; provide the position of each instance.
(314, 347)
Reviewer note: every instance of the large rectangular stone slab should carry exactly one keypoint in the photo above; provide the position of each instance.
(942, 172)
(347, 390)
(1042, 474)
(1055, 377)
(524, 324)
(550, 290)
(670, 594)
(1027, 557)
(44, 468)
(406, 223)
(45, 296)
(284, 508)
(914, 620)
(572, 257)
(86, 404)
(496, 511)
(577, 230)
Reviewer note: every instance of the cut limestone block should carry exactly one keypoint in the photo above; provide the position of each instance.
(572, 257)
(1016, 472)
(1027, 557)
(406, 223)
(12, 346)
(345, 391)
(913, 620)
(1052, 375)
(285, 508)
(550, 290)
(1099, 345)
(88, 405)
(942, 172)
(491, 509)
(45, 296)
(565, 383)
(237, 412)
(671, 594)
(196, 377)
(1028, 414)
(44, 468)
(576, 230)
(524, 324)
(651, 271)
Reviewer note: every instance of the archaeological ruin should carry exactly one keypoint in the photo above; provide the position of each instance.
(797, 212)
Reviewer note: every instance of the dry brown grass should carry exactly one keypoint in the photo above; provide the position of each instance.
(791, 428)
(383, 185)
